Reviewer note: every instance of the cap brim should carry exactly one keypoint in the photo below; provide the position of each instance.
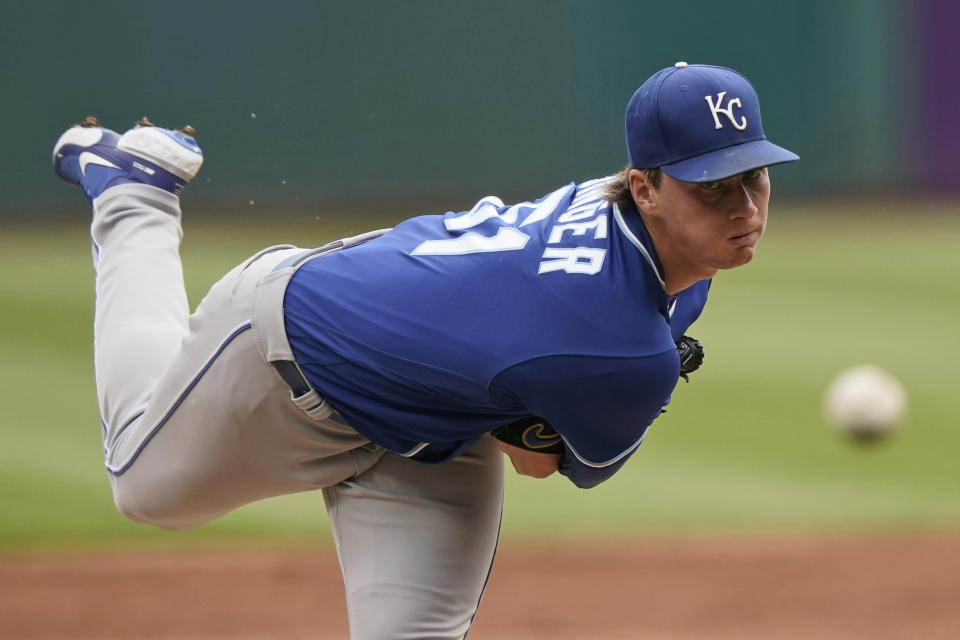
(729, 161)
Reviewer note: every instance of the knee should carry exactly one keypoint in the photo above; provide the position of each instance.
(139, 508)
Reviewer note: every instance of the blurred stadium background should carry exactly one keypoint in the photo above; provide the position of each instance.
(324, 118)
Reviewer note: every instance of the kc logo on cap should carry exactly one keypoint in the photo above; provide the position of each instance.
(698, 123)
(715, 109)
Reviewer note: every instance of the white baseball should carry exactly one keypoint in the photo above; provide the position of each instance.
(865, 402)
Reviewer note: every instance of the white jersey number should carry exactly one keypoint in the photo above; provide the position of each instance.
(509, 237)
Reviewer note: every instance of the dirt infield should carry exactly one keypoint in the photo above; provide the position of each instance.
(876, 588)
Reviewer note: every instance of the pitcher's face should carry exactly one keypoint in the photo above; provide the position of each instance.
(715, 225)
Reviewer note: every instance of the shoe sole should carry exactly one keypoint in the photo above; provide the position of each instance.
(170, 150)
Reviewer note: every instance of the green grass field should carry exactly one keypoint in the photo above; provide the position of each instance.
(742, 448)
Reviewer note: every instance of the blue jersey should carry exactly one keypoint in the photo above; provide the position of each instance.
(448, 327)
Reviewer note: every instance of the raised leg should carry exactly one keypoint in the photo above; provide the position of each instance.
(196, 421)
(133, 182)
(141, 304)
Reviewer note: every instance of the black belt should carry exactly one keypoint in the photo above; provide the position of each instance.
(291, 374)
(304, 396)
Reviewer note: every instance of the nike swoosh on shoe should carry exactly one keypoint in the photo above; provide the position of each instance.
(86, 158)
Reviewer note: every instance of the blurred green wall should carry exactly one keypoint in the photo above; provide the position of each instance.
(401, 105)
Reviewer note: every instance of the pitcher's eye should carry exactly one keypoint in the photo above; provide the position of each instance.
(712, 185)
(753, 174)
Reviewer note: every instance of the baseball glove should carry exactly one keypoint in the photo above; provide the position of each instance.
(691, 355)
(532, 434)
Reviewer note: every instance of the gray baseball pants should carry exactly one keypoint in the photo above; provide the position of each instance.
(196, 422)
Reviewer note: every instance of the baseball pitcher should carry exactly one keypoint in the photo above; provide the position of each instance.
(391, 369)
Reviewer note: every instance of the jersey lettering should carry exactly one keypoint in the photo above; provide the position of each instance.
(580, 213)
(572, 260)
(576, 222)
(599, 225)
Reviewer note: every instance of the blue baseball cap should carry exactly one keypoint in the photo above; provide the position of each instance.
(698, 123)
